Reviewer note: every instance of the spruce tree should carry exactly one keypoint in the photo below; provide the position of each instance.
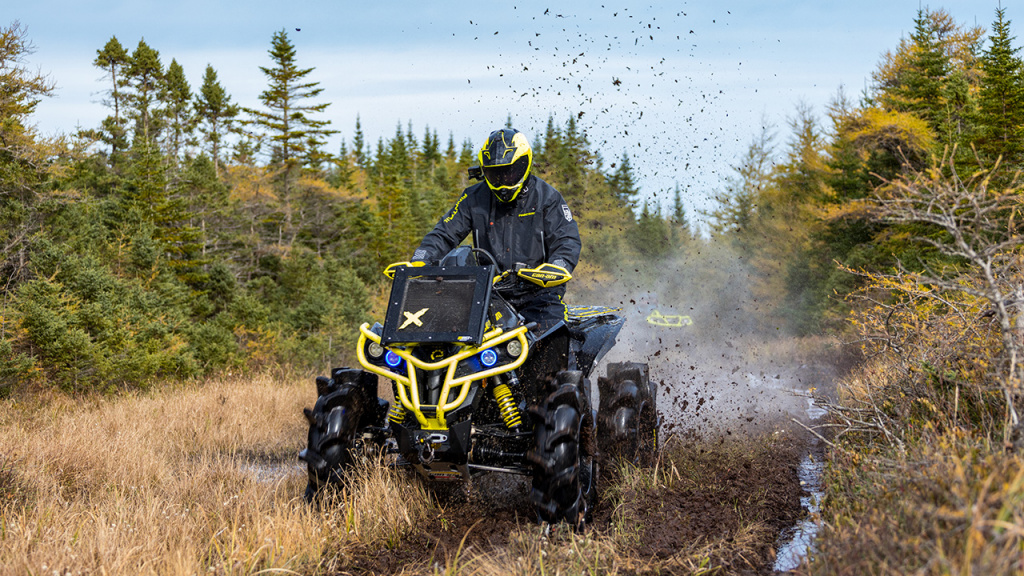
(921, 89)
(467, 154)
(1000, 115)
(288, 116)
(359, 145)
(934, 76)
(431, 152)
(568, 169)
(622, 182)
(178, 112)
(145, 76)
(680, 223)
(113, 59)
(23, 159)
(651, 238)
(215, 113)
(396, 201)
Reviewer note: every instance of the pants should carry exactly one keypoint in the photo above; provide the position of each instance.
(545, 307)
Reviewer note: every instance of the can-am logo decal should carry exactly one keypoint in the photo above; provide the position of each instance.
(568, 214)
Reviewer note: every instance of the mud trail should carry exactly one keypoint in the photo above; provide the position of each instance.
(731, 501)
(726, 486)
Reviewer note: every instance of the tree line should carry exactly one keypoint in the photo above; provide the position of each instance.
(186, 234)
(805, 213)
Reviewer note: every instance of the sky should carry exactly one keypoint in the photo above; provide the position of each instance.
(682, 88)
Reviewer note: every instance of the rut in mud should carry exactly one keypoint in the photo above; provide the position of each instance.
(727, 507)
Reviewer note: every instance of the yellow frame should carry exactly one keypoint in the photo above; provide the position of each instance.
(408, 390)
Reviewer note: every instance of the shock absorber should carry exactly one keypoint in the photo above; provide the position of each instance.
(508, 407)
(397, 412)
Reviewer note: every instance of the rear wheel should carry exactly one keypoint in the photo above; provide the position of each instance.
(628, 415)
(564, 470)
(334, 424)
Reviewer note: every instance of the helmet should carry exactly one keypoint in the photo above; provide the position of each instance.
(506, 159)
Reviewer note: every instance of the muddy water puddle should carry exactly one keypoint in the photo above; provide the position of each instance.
(797, 542)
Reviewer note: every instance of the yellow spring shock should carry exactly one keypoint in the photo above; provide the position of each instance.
(507, 406)
(397, 412)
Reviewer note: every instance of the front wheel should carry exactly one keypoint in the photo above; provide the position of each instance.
(333, 429)
(564, 474)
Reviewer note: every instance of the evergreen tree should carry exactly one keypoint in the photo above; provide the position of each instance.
(467, 154)
(216, 115)
(922, 91)
(680, 224)
(145, 76)
(449, 151)
(178, 112)
(933, 75)
(396, 201)
(343, 169)
(411, 143)
(288, 119)
(622, 182)
(651, 238)
(567, 168)
(431, 152)
(23, 158)
(113, 59)
(1001, 99)
(150, 207)
(208, 206)
(359, 149)
(546, 154)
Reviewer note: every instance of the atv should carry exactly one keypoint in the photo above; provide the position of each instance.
(477, 390)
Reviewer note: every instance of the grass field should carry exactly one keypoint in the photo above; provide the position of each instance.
(203, 479)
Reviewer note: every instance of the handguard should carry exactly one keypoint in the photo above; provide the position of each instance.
(392, 268)
(546, 275)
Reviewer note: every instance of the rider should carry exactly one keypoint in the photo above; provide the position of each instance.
(521, 220)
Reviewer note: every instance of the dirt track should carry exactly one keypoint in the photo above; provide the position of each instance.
(727, 485)
(745, 499)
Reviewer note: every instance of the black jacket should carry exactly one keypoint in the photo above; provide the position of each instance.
(535, 228)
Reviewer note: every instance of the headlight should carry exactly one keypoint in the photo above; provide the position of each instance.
(392, 359)
(514, 348)
(375, 349)
(488, 357)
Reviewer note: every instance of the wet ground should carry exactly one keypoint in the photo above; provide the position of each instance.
(762, 489)
(751, 508)
(720, 427)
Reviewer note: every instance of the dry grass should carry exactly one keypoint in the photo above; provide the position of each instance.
(204, 480)
(199, 480)
(951, 505)
(927, 485)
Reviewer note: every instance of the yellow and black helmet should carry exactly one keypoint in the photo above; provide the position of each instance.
(506, 159)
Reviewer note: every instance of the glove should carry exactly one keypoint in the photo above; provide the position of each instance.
(546, 275)
(392, 268)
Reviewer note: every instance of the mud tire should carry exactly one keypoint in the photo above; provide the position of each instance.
(565, 472)
(334, 424)
(627, 420)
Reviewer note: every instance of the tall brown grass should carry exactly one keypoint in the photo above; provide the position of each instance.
(923, 477)
(204, 479)
(196, 480)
